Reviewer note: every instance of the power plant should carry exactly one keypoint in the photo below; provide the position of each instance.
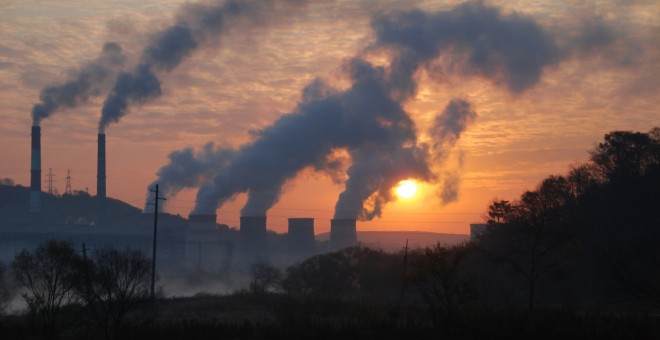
(199, 245)
(206, 248)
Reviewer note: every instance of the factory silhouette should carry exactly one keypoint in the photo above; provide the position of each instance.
(196, 244)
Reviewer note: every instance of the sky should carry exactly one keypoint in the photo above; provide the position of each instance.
(597, 70)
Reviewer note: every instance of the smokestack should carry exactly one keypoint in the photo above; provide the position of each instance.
(300, 239)
(253, 238)
(342, 233)
(100, 177)
(35, 171)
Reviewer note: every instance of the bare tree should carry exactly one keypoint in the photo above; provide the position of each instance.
(49, 276)
(5, 293)
(115, 283)
(439, 275)
(264, 277)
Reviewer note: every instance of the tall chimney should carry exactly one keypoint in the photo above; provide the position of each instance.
(35, 171)
(100, 177)
(343, 233)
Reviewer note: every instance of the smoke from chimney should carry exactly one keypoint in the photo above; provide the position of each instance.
(445, 132)
(368, 120)
(196, 25)
(90, 80)
(189, 169)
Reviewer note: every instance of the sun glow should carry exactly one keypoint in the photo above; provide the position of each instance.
(406, 189)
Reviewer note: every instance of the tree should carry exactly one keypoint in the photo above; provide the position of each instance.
(49, 275)
(439, 275)
(499, 211)
(5, 293)
(635, 273)
(353, 270)
(115, 282)
(533, 235)
(625, 155)
(264, 277)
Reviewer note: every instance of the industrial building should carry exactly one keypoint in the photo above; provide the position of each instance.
(198, 244)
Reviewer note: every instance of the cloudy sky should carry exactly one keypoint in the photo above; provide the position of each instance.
(602, 74)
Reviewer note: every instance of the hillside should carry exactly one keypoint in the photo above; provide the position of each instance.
(77, 209)
(392, 241)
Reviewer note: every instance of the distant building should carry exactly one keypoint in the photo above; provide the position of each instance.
(476, 230)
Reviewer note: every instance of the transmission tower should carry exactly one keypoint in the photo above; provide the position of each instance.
(68, 189)
(49, 181)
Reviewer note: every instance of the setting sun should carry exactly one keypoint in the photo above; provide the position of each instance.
(406, 189)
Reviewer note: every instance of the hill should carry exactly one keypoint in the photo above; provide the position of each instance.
(392, 241)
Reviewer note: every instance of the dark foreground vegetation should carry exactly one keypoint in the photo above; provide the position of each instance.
(576, 258)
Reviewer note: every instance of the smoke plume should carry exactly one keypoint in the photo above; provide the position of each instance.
(90, 80)
(325, 120)
(188, 169)
(368, 120)
(445, 133)
(510, 50)
(196, 25)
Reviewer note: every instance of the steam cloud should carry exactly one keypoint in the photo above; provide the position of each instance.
(189, 169)
(90, 80)
(196, 25)
(368, 120)
(445, 132)
(509, 50)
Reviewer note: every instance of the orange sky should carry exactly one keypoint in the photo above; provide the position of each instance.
(244, 83)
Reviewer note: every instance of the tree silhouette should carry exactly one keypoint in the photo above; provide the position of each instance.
(439, 275)
(264, 277)
(115, 282)
(50, 276)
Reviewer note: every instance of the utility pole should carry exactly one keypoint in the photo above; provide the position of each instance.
(68, 189)
(153, 255)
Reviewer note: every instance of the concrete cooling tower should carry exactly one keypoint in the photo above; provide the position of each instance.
(253, 245)
(342, 233)
(300, 239)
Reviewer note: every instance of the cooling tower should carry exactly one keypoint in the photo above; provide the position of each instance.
(300, 239)
(476, 230)
(253, 238)
(100, 179)
(206, 249)
(342, 233)
(35, 172)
